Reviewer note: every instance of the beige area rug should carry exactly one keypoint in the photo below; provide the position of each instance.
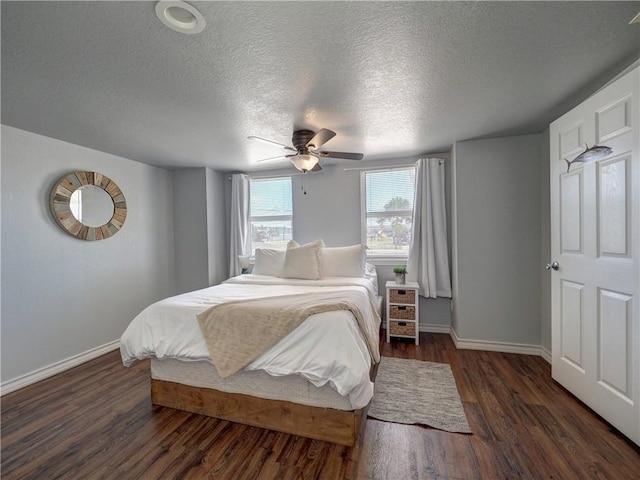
(415, 392)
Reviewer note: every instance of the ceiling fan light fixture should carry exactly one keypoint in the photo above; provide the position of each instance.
(180, 16)
(305, 145)
(304, 162)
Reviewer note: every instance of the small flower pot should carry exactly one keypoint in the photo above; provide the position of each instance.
(400, 278)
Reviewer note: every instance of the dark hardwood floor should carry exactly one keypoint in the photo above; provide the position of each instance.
(96, 421)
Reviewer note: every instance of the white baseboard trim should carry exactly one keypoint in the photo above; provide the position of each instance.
(546, 354)
(434, 328)
(520, 348)
(66, 364)
(55, 368)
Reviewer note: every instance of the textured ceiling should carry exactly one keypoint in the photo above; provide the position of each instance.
(393, 79)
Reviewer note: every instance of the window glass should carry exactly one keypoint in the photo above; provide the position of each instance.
(388, 211)
(271, 212)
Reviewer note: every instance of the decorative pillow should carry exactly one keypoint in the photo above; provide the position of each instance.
(343, 261)
(268, 262)
(303, 262)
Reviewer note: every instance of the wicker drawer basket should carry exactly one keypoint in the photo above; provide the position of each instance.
(402, 328)
(403, 312)
(399, 295)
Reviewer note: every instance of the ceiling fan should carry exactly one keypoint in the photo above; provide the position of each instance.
(306, 149)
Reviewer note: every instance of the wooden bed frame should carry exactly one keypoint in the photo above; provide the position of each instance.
(327, 424)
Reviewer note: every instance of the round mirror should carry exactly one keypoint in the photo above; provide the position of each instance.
(92, 206)
(88, 205)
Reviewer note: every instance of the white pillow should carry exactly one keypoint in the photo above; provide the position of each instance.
(371, 273)
(343, 261)
(268, 262)
(303, 262)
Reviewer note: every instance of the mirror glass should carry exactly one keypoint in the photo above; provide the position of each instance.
(92, 206)
(88, 205)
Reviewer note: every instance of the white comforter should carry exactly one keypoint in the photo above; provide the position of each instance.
(327, 347)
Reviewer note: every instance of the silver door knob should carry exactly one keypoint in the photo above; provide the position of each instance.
(552, 266)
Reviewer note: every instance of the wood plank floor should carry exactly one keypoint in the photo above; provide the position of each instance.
(96, 421)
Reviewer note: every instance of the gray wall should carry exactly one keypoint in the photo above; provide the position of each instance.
(190, 229)
(498, 219)
(331, 208)
(502, 241)
(201, 243)
(218, 244)
(63, 296)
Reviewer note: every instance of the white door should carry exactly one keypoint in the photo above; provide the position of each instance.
(595, 239)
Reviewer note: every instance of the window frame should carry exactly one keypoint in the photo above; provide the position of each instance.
(386, 258)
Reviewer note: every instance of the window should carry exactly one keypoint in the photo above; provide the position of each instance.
(271, 212)
(388, 211)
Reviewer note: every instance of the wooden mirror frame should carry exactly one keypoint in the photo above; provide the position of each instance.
(60, 201)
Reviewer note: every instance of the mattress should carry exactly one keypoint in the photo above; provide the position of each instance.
(257, 383)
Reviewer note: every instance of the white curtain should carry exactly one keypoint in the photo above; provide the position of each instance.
(240, 240)
(428, 262)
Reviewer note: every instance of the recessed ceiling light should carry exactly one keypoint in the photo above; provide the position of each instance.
(180, 16)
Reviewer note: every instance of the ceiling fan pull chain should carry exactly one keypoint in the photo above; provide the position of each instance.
(302, 187)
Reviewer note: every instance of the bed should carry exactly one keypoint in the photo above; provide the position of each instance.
(316, 381)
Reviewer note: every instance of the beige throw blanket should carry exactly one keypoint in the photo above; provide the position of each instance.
(238, 332)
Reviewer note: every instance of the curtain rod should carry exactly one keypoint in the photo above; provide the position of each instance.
(394, 167)
(277, 176)
(379, 168)
(271, 176)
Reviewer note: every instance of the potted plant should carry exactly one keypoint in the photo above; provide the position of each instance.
(400, 272)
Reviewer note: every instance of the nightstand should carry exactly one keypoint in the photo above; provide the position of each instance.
(402, 310)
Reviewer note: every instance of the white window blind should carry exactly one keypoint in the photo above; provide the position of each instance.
(271, 212)
(387, 211)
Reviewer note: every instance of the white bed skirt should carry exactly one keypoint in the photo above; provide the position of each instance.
(292, 388)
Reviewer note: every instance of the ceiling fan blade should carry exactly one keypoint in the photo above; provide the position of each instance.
(320, 138)
(275, 158)
(260, 139)
(344, 155)
(316, 168)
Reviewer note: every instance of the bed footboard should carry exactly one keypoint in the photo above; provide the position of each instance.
(327, 424)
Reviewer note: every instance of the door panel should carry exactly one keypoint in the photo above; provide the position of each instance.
(571, 141)
(571, 212)
(614, 207)
(595, 238)
(614, 330)
(613, 120)
(572, 320)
